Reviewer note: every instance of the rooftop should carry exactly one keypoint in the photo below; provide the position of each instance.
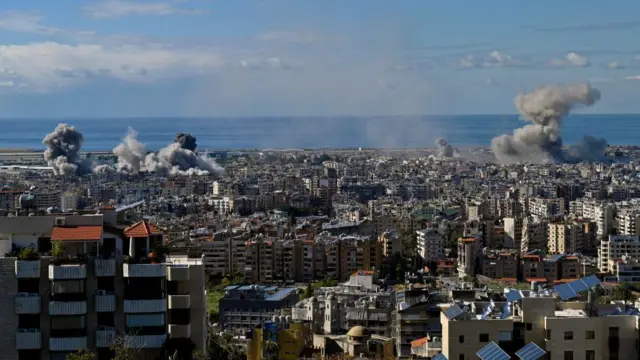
(142, 229)
(76, 233)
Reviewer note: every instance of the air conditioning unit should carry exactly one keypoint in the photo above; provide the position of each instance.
(61, 221)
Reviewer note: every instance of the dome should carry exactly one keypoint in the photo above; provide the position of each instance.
(358, 331)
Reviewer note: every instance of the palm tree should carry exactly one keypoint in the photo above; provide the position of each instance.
(271, 350)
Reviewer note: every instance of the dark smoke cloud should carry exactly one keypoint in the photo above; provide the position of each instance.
(177, 158)
(541, 141)
(446, 150)
(186, 141)
(63, 148)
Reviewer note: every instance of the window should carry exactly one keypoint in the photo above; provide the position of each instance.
(461, 339)
(461, 357)
(484, 338)
(528, 326)
(568, 335)
(590, 355)
(548, 337)
(590, 335)
(613, 331)
(568, 355)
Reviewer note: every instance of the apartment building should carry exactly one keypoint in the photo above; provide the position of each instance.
(566, 238)
(614, 248)
(564, 330)
(88, 295)
(245, 307)
(430, 244)
(534, 234)
(503, 265)
(469, 252)
(391, 243)
(628, 221)
(513, 232)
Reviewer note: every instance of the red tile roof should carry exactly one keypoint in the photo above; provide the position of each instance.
(76, 233)
(419, 342)
(142, 229)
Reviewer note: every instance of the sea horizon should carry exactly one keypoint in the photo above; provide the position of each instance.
(319, 132)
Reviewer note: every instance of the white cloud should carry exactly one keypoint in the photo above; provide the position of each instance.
(7, 83)
(633, 78)
(271, 63)
(614, 65)
(294, 37)
(120, 8)
(25, 22)
(48, 65)
(500, 59)
(571, 60)
(577, 59)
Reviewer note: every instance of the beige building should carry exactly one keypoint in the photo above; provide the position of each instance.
(566, 238)
(565, 330)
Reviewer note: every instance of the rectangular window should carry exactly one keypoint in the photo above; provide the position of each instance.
(590, 335)
(484, 338)
(67, 287)
(461, 357)
(548, 337)
(590, 355)
(461, 339)
(529, 326)
(139, 320)
(568, 355)
(568, 335)
(613, 331)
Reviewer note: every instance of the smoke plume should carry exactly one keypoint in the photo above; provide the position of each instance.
(541, 141)
(186, 141)
(178, 158)
(130, 153)
(62, 153)
(446, 151)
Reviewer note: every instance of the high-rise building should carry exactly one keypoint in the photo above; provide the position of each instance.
(87, 295)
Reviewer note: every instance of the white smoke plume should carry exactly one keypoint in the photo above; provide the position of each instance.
(173, 159)
(63, 148)
(446, 150)
(541, 142)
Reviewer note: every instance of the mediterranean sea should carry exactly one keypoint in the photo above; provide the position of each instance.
(314, 132)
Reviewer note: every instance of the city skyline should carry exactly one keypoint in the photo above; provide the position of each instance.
(118, 58)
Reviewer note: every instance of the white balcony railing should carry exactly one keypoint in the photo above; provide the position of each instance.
(67, 344)
(144, 270)
(179, 301)
(105, 303)
(105, 267)
(145, 306)
(105, 337)
(27, 303)
(179, 331)
(67, 272)
(28, 339)
(67, 307)
(146, 341)
(178, 273)
(27, 269)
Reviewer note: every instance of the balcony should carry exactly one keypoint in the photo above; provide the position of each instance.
(144, 270)
(67, 272)
(105, 267)
(28, 339)
(27, 269)
(105, 337)
(178, 273)
(179, 331)
(179, 301)
(67, 344)
(67, 308)
(27, 303)
(146, 341)
(145, 306)
(105, 302)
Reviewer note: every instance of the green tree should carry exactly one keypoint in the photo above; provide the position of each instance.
(271, 350)
(122, 348)
(83, 354)
(621, 292)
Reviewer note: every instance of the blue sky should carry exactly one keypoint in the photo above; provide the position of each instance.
(112, 58)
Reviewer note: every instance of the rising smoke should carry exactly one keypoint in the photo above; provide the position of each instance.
(62, 153)
(178, 158)
(541, 142)
(446, 150)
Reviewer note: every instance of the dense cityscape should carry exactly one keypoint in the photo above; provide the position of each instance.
(355, 253)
